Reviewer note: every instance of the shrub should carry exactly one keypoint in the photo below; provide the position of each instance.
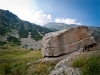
(2, 31)
(23, 33)
(31, 49)
(4, 47)
(35, 35)
(2, 43)
(13, 40)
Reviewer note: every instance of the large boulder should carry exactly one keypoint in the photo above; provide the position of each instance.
(66, 41)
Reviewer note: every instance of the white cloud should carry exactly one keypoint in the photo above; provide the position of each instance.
(40, 18)
(67, 21)
(15, 6)
(26, 10)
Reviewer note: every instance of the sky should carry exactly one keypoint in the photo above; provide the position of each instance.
(80, 12)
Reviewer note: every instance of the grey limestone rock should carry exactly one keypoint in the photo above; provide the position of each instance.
(66, 41)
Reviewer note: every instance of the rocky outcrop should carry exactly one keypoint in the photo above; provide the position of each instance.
(64, 66)
(66, 41)
(66, 71)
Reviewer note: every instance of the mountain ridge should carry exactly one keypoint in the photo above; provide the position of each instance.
(61, 26)
(25, 34)
(13, 29)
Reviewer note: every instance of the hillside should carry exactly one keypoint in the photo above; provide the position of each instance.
(61, 26)
(14, 30)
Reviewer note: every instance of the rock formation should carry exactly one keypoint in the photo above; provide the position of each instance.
(66, 41)
(64, 66)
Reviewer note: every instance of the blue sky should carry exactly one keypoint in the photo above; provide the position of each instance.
(85, 12)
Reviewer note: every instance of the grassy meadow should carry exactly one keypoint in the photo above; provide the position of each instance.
(13, 61)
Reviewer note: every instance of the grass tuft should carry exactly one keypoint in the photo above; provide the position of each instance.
(7, 68)
(90, 65)
(42, 68)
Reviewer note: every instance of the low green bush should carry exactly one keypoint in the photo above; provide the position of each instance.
(13, 40)
(2, 43)
(3, 47)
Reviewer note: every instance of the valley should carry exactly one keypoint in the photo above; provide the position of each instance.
(52, 49)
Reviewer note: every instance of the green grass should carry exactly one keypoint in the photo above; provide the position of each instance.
(13, 61)
(90, 65)
(42, 68)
